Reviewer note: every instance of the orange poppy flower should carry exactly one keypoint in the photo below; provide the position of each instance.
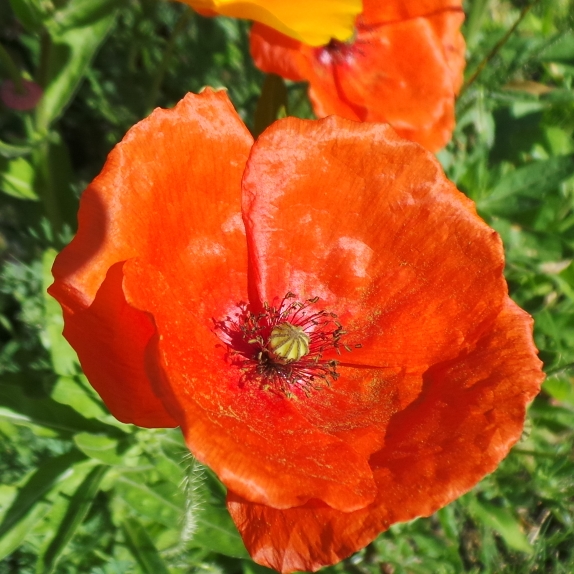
(314, 23)
(321, 311)
(404, 66)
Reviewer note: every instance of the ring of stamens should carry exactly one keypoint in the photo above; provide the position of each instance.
(281, 348)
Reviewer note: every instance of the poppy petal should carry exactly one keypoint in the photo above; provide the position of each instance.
(275, 53)
(471, 414)
(110, 338)
(172, 216)
(412, 290)
(399, 73)
(358, 406)
(314, 23)
(376, 12)
(404, 66)
(163, 182)
(228, 424)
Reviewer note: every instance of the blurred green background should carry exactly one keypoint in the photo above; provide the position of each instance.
(80, 492)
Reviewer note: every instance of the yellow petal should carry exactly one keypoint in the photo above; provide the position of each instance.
(311, 22)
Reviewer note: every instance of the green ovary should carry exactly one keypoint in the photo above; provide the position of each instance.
(288, 342)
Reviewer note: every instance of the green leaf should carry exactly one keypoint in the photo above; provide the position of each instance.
(560, 49)
(216, 531)
(142, 548)
(69, 55)
(252, 568)
(99, 447)
(149, 501)
(561, 388)
(503, 521)
(78, 394)
(17, 534)
(78, 508)
(17, 178)
(555, 418)
(17, 406)
(36, 487)
(532, 181)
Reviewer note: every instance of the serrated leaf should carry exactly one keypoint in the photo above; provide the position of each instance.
(78, 507)
(142, 547)
(534, 181)
(36, 487)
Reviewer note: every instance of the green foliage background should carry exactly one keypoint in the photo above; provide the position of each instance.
(80, 492)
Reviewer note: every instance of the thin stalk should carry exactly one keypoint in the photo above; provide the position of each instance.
(497, 47)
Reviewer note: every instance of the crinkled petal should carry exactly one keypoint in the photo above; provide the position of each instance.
(404, 66)
(358, 406)
(470, 415)
(164, 216)
(275, 53)
(398, 73)
(247, 435)
(164, 195)
(368, 222)
(376, 12)
(110, 338)
(314, 23)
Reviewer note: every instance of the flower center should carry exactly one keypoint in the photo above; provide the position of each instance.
(336, 52)
(281, 349)
(288, 342)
